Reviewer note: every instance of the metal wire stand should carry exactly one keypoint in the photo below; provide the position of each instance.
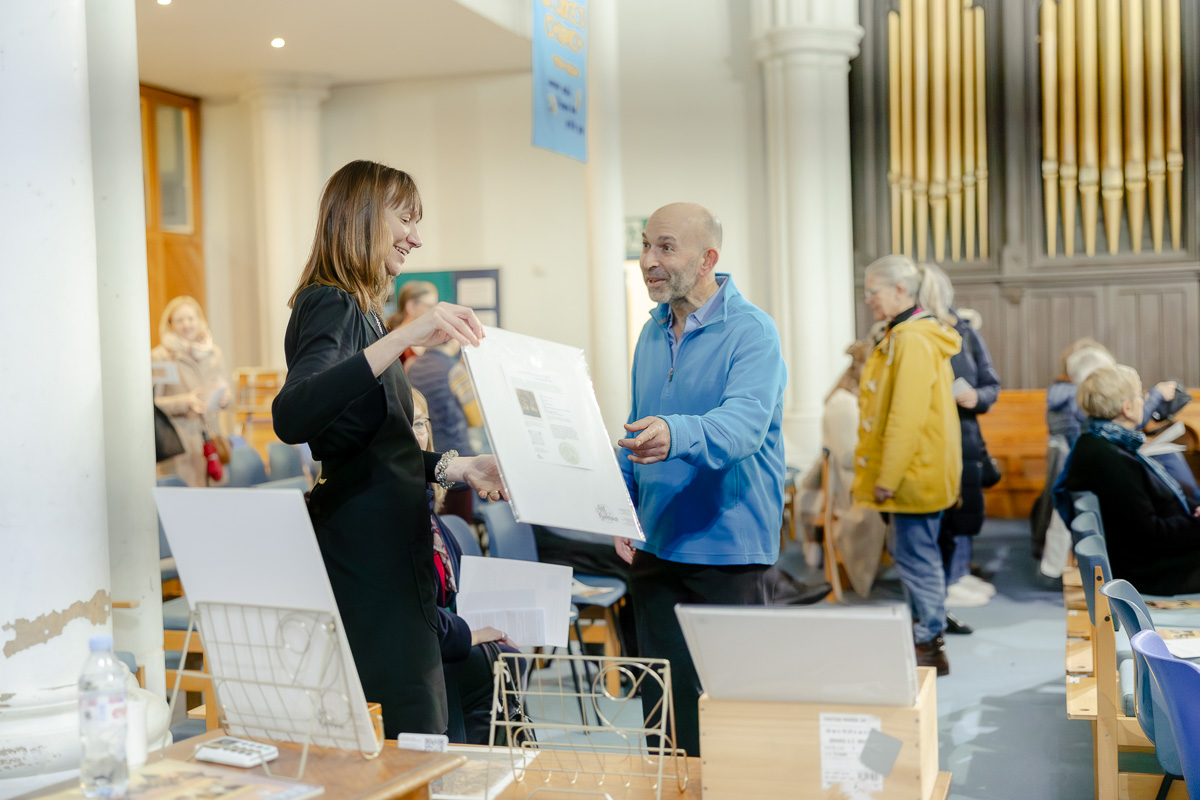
(617, 752)
(278, 674)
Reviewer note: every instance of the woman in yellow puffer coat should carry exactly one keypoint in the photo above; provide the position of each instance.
(909, 455)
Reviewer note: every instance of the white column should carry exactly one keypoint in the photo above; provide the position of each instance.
(805, 47)
(125, 331)
(286, 119)
(54, 592)
(608, 355)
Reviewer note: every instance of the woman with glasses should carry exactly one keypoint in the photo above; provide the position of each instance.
(908, 460)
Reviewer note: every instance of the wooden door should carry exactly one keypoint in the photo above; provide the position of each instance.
(171, 166)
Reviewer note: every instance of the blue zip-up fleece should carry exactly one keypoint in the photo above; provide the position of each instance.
(718, 498)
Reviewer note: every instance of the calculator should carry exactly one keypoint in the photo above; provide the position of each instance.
(234, 752)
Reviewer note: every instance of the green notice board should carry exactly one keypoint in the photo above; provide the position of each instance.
(477, 288)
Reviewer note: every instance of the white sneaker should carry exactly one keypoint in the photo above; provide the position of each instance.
(960, 596)
(978, 585)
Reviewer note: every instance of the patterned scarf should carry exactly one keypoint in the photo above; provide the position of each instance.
(1132, 442)
(439, 548)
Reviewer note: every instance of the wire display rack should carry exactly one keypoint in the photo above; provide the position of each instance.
(609, 750)
(279, 674)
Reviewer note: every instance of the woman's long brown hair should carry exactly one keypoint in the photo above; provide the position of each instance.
(352, 237)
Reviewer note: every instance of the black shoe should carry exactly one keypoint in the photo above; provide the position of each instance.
(931, 654)
(956, 625)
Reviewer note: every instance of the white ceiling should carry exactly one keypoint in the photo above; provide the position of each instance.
(214, 48)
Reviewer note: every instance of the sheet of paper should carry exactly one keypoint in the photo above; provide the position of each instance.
(544, 425)
(215, 399)
(843, 737)
(526, 627)
(959, 386)
(1184, 648)
(490, 586)
(1158, 448)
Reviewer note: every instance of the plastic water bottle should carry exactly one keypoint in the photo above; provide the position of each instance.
(103, 771)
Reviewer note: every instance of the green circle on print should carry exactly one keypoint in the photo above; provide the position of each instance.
(569, 453)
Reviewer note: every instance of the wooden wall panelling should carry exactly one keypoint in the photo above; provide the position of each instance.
(1155, 329)
(1050, 319)
(987, 301)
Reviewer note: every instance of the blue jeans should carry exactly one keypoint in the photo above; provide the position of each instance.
(960, 562)
(914, 547)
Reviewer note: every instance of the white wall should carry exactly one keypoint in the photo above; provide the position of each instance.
(690, 131)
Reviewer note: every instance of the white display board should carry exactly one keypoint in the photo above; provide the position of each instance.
(544, 423)
(803, 654)
(250, 558)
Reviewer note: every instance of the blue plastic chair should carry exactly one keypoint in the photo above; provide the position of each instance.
(461, 531)
(1085, 524)
(1086, 501)
(246, 467)
(1129, 608)
(285, 461)
(1177, 684)
(1091, 553)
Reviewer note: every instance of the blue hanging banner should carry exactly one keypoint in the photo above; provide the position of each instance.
(560, 76)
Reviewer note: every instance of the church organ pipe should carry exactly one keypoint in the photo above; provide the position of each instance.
(1133, 58)
(1068, 168)
(1174, 120)
(906, 123)
(938, 124)
(894, 130)
(968, 95)
(921, 120)
(1111, 140)
(1156, 160)
(937, 152)
(1049, 54)
(1089, 134)
(981, 175)
(1111, 83)
(954, 120)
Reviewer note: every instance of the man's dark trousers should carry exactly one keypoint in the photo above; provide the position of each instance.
(657, 586)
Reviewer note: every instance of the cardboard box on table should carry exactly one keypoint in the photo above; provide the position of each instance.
(765, 750)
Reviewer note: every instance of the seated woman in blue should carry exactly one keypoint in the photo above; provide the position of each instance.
(466, 659)
(1152, 531)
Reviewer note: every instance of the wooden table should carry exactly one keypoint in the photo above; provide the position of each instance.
(395, 775)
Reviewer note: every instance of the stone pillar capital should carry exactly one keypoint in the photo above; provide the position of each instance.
(818, 40)
(781, 28)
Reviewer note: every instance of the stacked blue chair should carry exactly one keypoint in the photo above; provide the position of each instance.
(285, 461)
(1178, 686)
(246, 467)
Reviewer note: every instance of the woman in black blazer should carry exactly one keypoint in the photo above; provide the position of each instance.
(347, 396)
(1151, 530)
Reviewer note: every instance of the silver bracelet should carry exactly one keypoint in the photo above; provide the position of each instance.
(439, 472)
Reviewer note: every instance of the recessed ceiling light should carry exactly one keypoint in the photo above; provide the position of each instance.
(164, 2)
(276, 42)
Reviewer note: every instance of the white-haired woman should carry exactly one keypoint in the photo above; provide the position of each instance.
(194, 399)
(1151, 528)
(908, 460)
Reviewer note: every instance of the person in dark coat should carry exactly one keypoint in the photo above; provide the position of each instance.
(972, 364)
(346, 394)
(1151, 528)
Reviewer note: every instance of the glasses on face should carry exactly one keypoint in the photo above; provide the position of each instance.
(869, 293)
(421, 426)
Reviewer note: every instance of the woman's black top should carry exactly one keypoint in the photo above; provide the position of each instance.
(369, 508)
(1152, 541)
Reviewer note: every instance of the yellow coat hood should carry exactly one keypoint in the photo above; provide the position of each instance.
(909, 439)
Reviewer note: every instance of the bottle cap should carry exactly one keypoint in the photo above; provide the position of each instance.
(101, 641)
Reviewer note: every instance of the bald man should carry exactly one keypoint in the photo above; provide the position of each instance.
(704, 461)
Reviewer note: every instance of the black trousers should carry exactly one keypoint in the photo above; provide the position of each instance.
(658, 586)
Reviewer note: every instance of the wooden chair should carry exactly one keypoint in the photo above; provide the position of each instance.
(191, 680)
